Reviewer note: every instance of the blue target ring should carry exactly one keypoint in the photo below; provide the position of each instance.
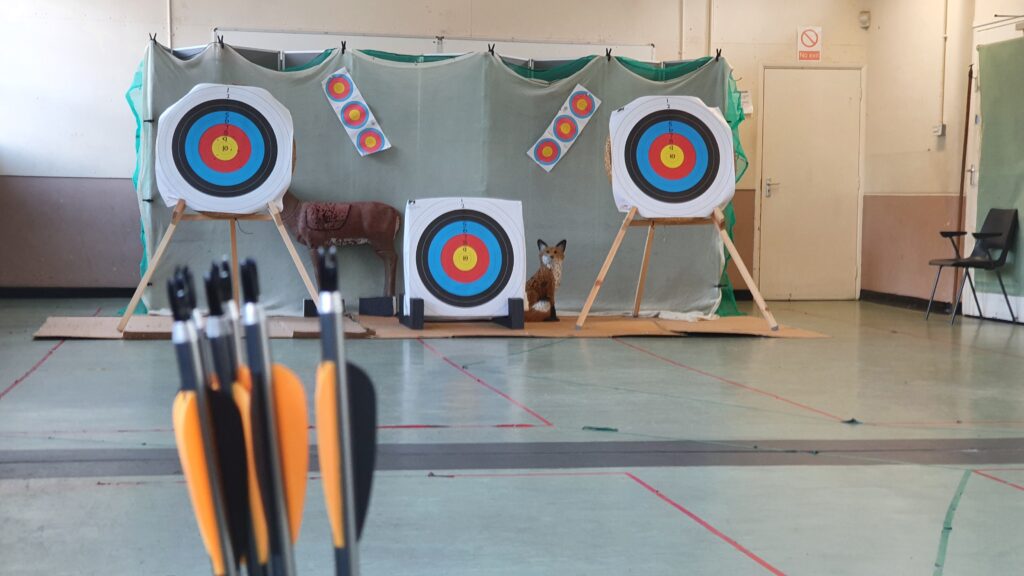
(551, 147)
(211, 121)
(672, 182)
(446, 229)
(436, 267)
(233, 115)
(680, 130)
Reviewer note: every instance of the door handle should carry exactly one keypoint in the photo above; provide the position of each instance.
(769, 186)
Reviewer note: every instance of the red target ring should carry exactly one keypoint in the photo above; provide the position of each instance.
(225, 148)
(476, 257)
(355, 115)
(566, 128)
(581, 104)
(370, 140)
(339, 88)
(672, 156)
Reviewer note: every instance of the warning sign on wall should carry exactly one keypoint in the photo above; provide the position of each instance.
(808, 43)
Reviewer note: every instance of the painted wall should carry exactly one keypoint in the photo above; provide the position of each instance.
(96, 46)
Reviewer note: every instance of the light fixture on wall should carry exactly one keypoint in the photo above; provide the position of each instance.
(865, 19)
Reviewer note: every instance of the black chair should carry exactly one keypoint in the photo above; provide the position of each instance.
(997, 234)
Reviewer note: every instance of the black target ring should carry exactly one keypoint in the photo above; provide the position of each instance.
(188, 160)
(633, 169)
(488, 232)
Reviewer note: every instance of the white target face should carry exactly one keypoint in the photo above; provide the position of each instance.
(224, 149)
(672, 156)
(464, 256)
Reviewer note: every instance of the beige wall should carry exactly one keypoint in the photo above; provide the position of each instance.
(93, 47)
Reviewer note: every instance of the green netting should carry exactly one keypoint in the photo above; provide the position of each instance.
(734, 117)
(312, 63)
(407, 58)
(1001, 174)
(661, 72)
(134, 97)
(550, 74)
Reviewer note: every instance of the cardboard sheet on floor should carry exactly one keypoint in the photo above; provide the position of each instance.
(159, 328)
(595, 327)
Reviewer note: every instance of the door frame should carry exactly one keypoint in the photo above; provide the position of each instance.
(758, 168)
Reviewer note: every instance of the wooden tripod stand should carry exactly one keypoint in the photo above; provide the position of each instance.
(716, 219)
(273, 214)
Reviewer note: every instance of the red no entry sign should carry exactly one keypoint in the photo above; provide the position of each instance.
(808, 43)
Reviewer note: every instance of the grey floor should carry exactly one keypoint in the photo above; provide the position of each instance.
(633, 456)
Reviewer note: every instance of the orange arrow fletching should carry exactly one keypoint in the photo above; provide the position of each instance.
(187, 433)
(328, 449)
(293, 441)
(257, 515)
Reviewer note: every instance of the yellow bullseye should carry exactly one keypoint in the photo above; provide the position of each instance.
(672, 156)
(464, 258)
(354, 114)
(547, 152)
(339, 88)
(370, 141)
(565, 128)
(225, 148)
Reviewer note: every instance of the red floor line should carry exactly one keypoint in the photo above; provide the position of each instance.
(481, 382)
(528, 474)
(707, 526)
(732, 382)
(1000, 480)
(34, 367)
(999, 469)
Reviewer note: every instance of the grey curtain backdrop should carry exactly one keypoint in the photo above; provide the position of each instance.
(459, 127)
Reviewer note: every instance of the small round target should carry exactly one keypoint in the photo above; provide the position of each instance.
(224, 148)
(464, 258)
(339, 87)
(355, 115)
(370, 140)
(581, 104)
(566, 128)
(547, 151)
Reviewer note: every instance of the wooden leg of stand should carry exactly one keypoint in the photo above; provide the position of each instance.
(276, 215)
(179, 209)
(604, 267)
(719, 219)
(643, 270)
(235, 275)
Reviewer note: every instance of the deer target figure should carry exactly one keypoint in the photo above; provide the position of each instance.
(324, 224)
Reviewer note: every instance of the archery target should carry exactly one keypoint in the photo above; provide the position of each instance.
(565, 129)
(224, 149)
(464, 256)
(350, 107)
(672, 156)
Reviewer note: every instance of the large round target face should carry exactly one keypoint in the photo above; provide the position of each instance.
(464, 258)
(581, 104)
(547, 151)
(224, 148)
(355, 115)
(671, 156)
(566, 128)
(339, 87)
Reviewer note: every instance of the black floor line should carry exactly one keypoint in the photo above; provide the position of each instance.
(119, 462)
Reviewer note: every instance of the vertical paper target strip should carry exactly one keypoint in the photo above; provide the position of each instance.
(354, 114)
(565, 128)
(672, 156)
(224, 148)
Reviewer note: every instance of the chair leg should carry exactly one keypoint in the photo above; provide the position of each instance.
(1007, 298)
(959, 294)
(967, 273)
(931, 300)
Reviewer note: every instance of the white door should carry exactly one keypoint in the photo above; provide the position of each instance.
(810, 184)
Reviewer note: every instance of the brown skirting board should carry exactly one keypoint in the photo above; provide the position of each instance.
(159, 328)
(596, 327)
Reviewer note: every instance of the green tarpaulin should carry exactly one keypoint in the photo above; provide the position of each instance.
(1001, 174)
(459, 126)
